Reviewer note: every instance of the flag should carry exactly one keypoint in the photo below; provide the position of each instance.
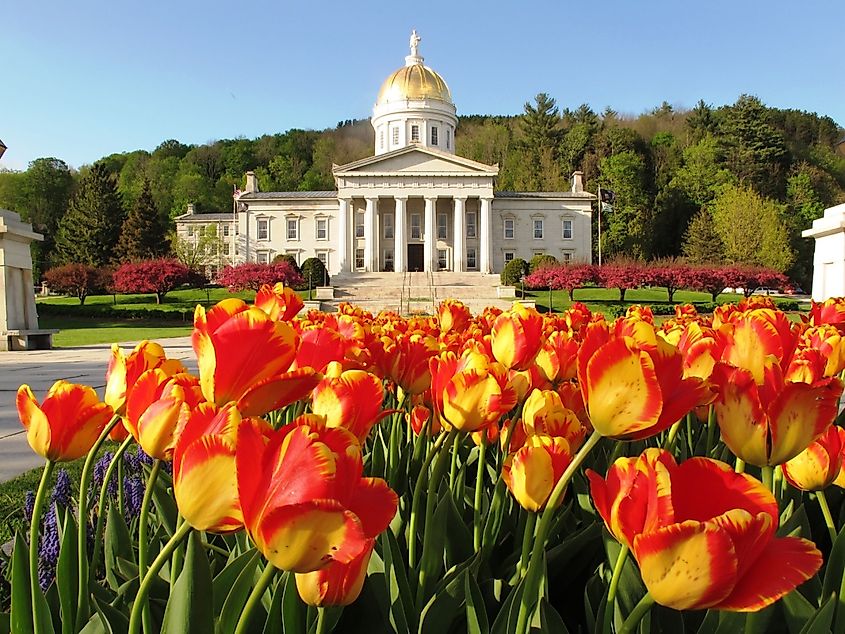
(237, 194)
(607, 196)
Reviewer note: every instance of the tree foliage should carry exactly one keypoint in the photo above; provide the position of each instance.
(252, 276)
(78, 280)
(143, 234)
(314, 273)
(158, 276)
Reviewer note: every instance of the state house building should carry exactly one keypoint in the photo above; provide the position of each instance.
(413, 206)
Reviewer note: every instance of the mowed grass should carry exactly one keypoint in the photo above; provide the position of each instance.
(81, 331)
(183, 299)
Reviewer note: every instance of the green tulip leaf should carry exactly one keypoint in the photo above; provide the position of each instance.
(187, 609)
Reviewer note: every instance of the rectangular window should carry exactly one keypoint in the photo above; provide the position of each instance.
(323, 256)
(509, 222)
(538, 229)
(396, 136)
(190, 230)
(263, 257)
(471, 232)
(508, 256)
(448, 138)
(359, 258)
(434, 135)
(359, 225)
(442, 259)
(225, 231)
(388, 259)
(322, 229)
(381, 139)
(567, 230)
(471, 264)
(226, 249)
(416, 232)
(442, 227)
(264, 229)
(415, 133)
(567, 256)
(388, 227)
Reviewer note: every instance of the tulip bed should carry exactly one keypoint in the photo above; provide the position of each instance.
(508, 472)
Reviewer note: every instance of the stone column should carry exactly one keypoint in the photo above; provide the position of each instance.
(370, 262)
(485, 235)
(343, 234)
(399, 238)
(459, 252)
(430, 235)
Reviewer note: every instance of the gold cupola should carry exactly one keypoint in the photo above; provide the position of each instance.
(414, 81)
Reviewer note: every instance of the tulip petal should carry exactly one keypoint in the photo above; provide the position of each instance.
(624, 393)
(530, 477)
(375, 505)
(38, 433)
(691, 565)
(276, 392)
(782, 565)
(800, 414)
(740, 414)
(305, 537)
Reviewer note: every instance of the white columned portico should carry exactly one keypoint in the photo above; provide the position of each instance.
(370, 234)
(459, 255)
(429, 248)
(485, 235)
(399, 248)
(343, 234)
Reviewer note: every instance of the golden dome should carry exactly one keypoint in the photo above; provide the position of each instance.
(412, 82)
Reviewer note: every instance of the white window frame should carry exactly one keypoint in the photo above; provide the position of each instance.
(359, 259)
(473, 224)
(387, 222)
(472, 258)
(435, 140)
(265, 222)
(325, 223)
(381, 139)
(444, 234)
(226, 231)
(395, 135)
(448, 138)
(190, 231)
(512, 222)
(262, 257)
(571, 229)
(508, 256)
(534, 222)
(359, 224)
(415, 133)
(226, 248)
(442, 259)
(416, 226)
(567, 256)
(323, 256)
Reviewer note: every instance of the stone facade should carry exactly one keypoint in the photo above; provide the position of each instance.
(829, 255)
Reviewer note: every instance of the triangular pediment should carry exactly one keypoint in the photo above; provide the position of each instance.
(415, 160)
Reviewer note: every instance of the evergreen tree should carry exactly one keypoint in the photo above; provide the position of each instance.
(142, 236)
(701, 242)
(89, 231)
(541, 132)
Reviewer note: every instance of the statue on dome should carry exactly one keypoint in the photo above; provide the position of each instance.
(415, 42)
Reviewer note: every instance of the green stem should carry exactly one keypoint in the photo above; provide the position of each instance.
(669, 445)
(321, 622)
(143, 526)
(82, 608)
(255, 598)
(35, 526)
(417, 500)
(828, 518)
(140, 599)
(479, 493)
(176, 560)
(453, 470)
(527, 540)
(637, 614)
(532, 577)
(740, 465)
(101, 504)
(712, 425)
(429, 529)
(614, 586)
(768, 475)
(120, 503)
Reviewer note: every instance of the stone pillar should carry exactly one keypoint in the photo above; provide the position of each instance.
(485, 235)
(370, 261)
(429, 235)
(399, 235)
(459, 252)
(343, 235)
(829, 255)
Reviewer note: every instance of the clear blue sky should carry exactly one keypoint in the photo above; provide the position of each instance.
(84, 79)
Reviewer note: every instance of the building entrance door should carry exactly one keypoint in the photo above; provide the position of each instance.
(415, 257)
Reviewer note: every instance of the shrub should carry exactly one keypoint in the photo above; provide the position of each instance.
(287, 257)
(252, 276)
(151, 276)
(621, 274)
(79, 280)
(540, 262)
(562, 277)
(514, 271)
(314, 273)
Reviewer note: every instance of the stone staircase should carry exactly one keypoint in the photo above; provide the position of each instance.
(415, 293)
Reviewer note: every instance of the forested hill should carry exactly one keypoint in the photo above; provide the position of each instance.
(739, 163)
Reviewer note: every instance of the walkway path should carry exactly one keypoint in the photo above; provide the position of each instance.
(40, 369)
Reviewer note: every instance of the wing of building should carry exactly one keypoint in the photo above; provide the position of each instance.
(412, 206)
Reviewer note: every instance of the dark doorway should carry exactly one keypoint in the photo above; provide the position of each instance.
(415, 257)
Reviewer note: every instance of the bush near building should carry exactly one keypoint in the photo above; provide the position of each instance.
(252, 276)
(514, 271)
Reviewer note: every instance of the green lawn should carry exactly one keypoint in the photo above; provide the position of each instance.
(181, 299)
(81, 331)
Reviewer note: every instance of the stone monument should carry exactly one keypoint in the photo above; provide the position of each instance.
(18, 318)
(829, 255)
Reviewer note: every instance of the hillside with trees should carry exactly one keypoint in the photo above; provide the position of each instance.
(738, 181)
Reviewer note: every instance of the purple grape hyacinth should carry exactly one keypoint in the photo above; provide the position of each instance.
(133, 496)
(63, 489)
(28, 506)
(48, 549)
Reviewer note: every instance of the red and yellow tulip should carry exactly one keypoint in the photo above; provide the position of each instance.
(280, 302)
(532, 472)
(243, 356)
(819, 465)
(714, 551)
(336, 584)
(304, 500)
(124, 370)
(66, 424)
(351, 399)
(517, 336)
(453, 316)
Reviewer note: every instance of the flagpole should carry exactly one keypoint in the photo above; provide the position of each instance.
(600, 206)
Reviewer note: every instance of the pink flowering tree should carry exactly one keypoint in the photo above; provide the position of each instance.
(566, 277)
(79, 280)
(252, 276)
(151, 276)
